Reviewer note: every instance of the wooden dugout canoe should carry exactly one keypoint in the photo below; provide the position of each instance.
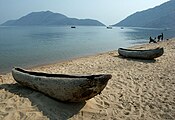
(141, 54)
(69, 88)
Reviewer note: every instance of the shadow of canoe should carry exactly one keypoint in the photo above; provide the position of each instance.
(137, 60)
(50, 107)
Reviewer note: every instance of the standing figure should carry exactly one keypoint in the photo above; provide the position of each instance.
(162, 37)
(158, 37)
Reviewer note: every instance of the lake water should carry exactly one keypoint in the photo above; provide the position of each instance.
(31, 46)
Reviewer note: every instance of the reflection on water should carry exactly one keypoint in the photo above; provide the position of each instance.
(29, 46)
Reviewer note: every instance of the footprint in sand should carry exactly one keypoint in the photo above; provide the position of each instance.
(112, 97)
(3, 115)
(3, 96)
(2, 105)
(9, 109)
(166, 117)
(106, 104)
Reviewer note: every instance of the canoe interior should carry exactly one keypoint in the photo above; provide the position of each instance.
(56, 75)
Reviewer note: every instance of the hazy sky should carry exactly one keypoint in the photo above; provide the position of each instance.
(106, 11)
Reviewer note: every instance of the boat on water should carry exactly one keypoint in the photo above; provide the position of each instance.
(141, 54)
(109, 27)
(73, 27)
(63, 87)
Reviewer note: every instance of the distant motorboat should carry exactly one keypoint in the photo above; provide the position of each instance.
(109, 27)
(122, 28)
(73, 27)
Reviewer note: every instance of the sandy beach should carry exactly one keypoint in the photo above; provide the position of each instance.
(138, 90)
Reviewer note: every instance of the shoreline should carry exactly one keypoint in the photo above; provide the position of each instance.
(139, 89)
(66, 60)
(57, 61)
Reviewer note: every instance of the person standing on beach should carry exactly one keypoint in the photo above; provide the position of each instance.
(162, 36)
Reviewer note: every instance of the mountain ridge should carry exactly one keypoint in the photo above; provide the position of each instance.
(48, 18)
(161, 16)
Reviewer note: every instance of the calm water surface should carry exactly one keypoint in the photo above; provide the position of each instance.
(31, 46)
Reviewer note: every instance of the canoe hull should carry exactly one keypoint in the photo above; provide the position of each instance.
(62, 87)
(141, 54)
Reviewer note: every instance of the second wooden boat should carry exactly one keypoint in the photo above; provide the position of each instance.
(141, 54)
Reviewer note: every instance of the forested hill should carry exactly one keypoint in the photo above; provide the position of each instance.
(45, 18)
(162, 16)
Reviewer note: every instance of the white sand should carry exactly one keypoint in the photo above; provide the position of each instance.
(139, 89)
